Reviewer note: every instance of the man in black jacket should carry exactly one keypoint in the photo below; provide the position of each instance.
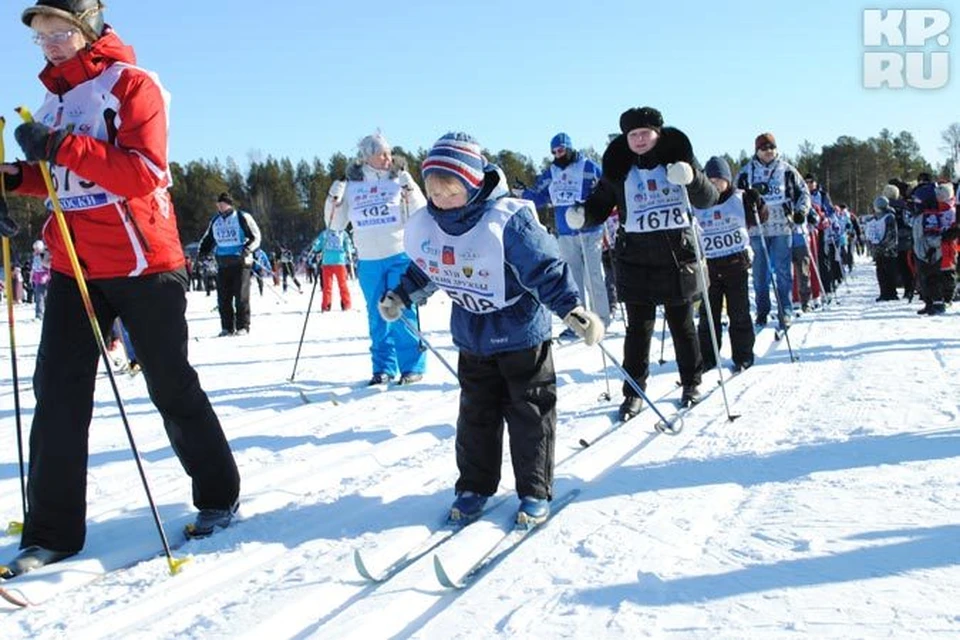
(651, 175)
(233, 235)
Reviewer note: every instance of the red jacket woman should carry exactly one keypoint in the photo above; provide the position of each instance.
(111, 171)
(103, 129)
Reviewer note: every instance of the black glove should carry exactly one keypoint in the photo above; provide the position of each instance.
(11, 182)
(799, 218)
(39, 142)
(8, 227)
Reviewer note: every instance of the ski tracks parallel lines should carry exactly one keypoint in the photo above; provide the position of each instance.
(258, 559)
(621, 454)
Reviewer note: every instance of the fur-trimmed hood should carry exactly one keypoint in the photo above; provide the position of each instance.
(359, 171)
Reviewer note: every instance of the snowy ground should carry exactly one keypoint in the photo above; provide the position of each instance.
(827, 510)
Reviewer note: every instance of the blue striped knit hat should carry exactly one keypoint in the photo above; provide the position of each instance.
(459, 155)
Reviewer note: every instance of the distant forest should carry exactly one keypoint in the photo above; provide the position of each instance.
(287, 199)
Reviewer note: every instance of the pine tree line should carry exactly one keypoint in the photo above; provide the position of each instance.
(287, 199)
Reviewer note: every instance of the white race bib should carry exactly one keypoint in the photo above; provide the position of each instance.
(653, 203)
(91, 109)
(874, 230)
(724, 227)
(470, 267)
(770, 182)
(566, 185)
(375, 204)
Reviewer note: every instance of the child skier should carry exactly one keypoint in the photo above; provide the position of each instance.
(335, 248)
(261, 267)
(880, 230)
(502, 270)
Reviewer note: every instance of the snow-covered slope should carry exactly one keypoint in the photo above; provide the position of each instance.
(828, 509)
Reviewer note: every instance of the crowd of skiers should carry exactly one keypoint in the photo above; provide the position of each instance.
(912, 235)
(229, 255)
(648, 227)
(28, 279)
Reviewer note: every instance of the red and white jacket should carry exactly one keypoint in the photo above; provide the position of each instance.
(111, 172)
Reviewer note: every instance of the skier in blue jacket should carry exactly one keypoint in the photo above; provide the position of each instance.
(335, 249)
(503, 271)
(569, 179)
(261, 267)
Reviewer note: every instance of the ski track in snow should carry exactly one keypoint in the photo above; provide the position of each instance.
(826, 510)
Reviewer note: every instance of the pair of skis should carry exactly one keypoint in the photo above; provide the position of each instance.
(509, 541)
(36, 587)
(504, 545)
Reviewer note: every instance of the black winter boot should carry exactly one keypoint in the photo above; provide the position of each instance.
(691, 396)
(630, 407)
(32, 558)
(209, 520)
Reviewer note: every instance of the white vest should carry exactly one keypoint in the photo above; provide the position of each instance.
(817, 198)
(470, 267)
(91, 108)
(771, 183)
(653, 203)
(724, 227)
(566, 185)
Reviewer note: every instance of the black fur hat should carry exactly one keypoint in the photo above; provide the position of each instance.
(641, 118)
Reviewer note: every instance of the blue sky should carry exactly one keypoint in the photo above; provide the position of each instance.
(305, 78)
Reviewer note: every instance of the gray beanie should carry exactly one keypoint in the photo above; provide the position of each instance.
(718, 167)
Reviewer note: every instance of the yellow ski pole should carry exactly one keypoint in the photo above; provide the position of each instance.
(14, 528)
(173, 563)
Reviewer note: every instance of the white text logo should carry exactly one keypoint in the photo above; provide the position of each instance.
(912, 47)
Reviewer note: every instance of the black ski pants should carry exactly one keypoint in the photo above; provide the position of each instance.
(233, 296)
(887, 271)
(931, 281)
(732, 287)
(610, 278)
(288, 272)
(831, 271)
(641, 318)
(519, 388)
(152, 309)
(907, 276)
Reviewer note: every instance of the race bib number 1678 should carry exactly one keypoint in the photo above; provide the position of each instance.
(661, 219)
